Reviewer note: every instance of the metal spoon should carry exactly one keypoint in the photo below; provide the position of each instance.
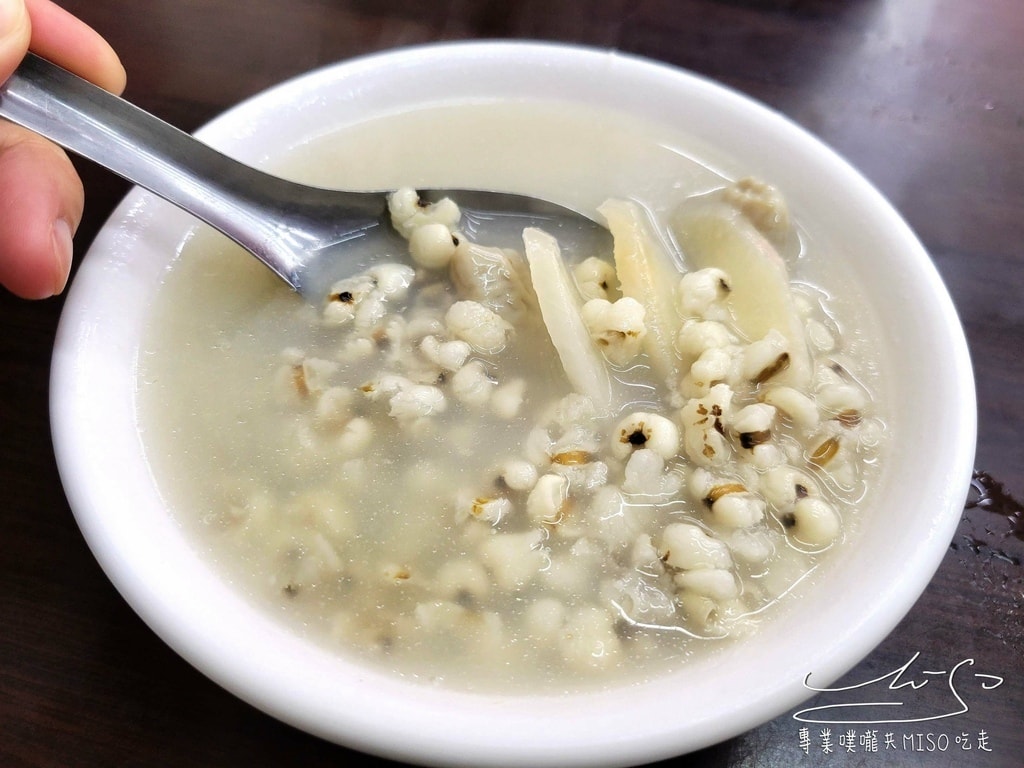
(308, 236)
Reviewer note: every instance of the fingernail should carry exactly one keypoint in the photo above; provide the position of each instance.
(12, 13)
(63, 248)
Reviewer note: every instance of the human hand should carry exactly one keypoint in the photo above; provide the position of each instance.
(41, 196)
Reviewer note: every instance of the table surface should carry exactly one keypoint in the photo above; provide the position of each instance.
(925, 97)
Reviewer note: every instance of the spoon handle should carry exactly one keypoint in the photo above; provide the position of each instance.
(240, 201)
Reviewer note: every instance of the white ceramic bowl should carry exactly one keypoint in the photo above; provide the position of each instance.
(928, 393)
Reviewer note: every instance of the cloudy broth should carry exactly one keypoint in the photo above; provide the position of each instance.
(396, 485)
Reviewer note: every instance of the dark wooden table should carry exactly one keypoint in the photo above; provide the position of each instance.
(925, 97)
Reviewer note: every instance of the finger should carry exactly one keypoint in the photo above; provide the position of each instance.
(15, 31)
(70, 43)
(41, 202)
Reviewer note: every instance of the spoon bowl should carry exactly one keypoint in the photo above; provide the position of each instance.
(308, 236)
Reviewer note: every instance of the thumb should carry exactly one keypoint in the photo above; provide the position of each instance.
(15, 32)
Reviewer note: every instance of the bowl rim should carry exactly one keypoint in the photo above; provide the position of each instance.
(496, 730)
